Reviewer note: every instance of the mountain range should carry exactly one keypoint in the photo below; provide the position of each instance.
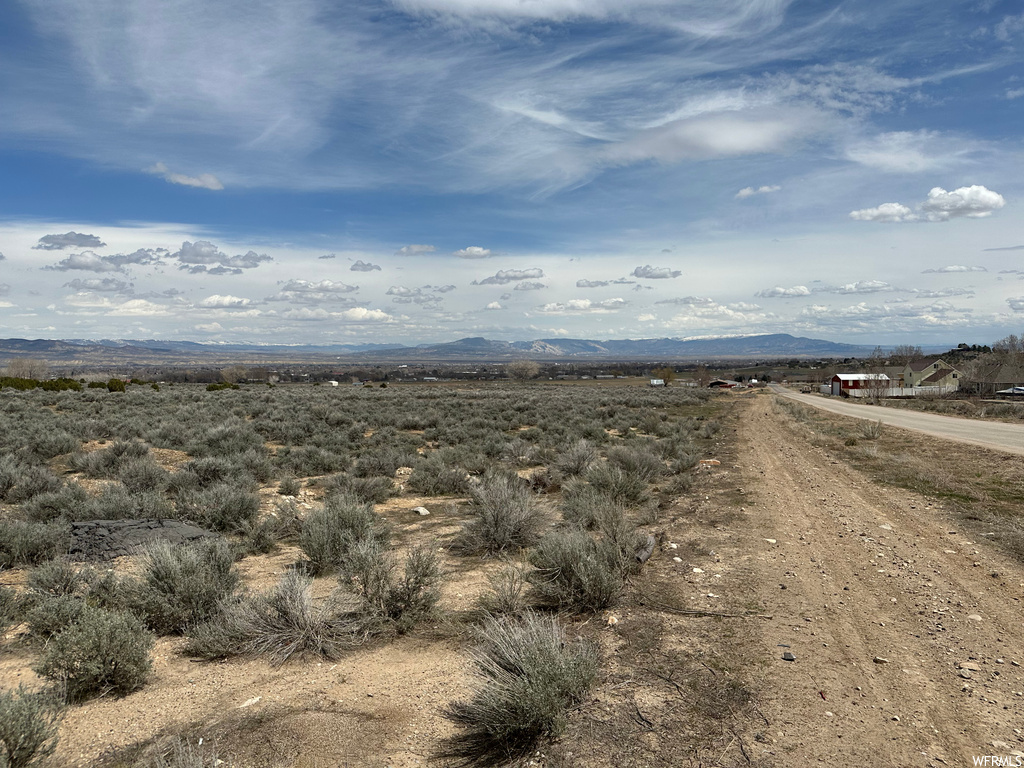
(86, 352)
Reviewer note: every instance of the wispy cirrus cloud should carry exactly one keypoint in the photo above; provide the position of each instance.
(202, 181)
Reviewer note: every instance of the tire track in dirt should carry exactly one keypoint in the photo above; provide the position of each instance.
(856, 572)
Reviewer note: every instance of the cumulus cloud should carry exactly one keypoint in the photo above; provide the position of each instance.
(974, 202)
(361, 266)
(224, 302)
(861, 286)
(583, 305)
(592, 283)
(778, 292)
(68, 240)
(424, 295)
(473, 252)
(529, 286)
(86, 261)
(647, 318)
(1016, 304)
(953, 268)
(414, 250)
(751, 191)
(202, 181)
(327, 256)
(494, 305)
(208, 327)
(196, 257)
(655, 273)
(689, 301)
(504, 276)
(944, 293)
(363, 314)
(102, 285)
(139, 308)
(306, 314)
(886, 212)
(308, 292)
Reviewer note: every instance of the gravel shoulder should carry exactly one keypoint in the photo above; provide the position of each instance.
(998, 436)
(907, 633)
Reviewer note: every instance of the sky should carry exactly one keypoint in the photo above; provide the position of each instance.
(415, 171)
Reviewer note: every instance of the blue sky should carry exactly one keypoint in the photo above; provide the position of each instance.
(422, 170)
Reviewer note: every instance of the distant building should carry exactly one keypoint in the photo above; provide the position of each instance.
(723, 384)
(657, 382)
(860, 384)
(931, 372)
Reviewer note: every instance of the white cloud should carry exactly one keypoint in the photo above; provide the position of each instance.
(202, 253)
(202, 181)
(646, 318)
(655, 273)
(68, 240)
(224, 301)
(504, 276)
(306, 314)
(592, 283)
(1017, 304)
(323, 286)
(529, 285)
(953, 268)
(974, 202)
(778, 292)
(473, 252)
(86, 261)
(494, 305)
(103, 285)
(886, 212)
(139, 308)
(898, 152)
(751, 191)
(583, 305)
(208, 327)
(363, 314)
(363, 266)
(414, 250)
(689, 301)
(861, 286)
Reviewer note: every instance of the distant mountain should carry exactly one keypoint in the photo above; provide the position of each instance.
(84, 352)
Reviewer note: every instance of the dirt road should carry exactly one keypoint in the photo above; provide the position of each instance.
(908, 635)
(996, 435)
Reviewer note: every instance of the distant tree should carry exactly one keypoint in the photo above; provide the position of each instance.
(666, 374)
(233, 374)
(701, 375)
(27, 368)
(521, 370)
(904, 354)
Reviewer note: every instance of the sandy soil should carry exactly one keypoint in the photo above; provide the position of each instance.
(908, 634)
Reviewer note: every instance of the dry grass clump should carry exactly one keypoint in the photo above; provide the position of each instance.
(528, 677)
(330, 533)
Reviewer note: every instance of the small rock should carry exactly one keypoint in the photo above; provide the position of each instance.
(770, 541)
(970, 666)
(829, 714)
(788, 656)
(673, 546)
(250, 702)
(880, 660)
(421, 511)
(1002, 746)
(965, 674)
(974, 617)
(885, 527)
(698, 570)
(677, 559)
(895, 718)
(612, 621)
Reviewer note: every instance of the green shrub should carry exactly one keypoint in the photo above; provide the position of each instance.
(10, 608)
(373, 490)
(115, 385)
(27, 543)
(528, 677)
(28, 481)
(330, 533)
(183, 586)
(507, 516)
(71, 502)
(52, 614)
(56, 577)
(28, 727)
(289, 486)
(639, 462)
(140, 475)
(574, 571)
(434, 477)
(577, 458)
(220, 507)
(401, 601)
(618, 484)
(101, 653)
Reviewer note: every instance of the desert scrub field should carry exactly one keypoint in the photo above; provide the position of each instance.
(538, 500)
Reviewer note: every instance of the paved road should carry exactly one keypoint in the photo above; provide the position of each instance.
(996, 435)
